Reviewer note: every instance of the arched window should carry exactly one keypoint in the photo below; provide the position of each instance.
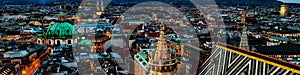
(57, 42)
(39, 41)
(69, 42)
(49, 42)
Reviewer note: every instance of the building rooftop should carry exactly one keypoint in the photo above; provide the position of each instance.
(61, 31)
(142, 58)
(85, 42)
(287, 31)
(4, 70)
(15, 54)
(284, 49)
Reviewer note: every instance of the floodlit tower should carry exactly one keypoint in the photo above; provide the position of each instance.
(162, 62)
(244, 39)
(100, 7)
(97, 5)
(284, 10)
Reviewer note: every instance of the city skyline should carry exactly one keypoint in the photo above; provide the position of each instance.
(160, 37)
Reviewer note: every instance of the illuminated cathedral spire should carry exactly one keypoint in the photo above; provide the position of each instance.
(100, 7)
(244, 39)
(284, 10)
(162, 62)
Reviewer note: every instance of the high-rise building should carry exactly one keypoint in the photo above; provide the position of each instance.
(284, 10)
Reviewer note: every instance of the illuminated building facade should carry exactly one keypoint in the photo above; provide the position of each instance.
(10, 69)
(29, 60)
(284, 10)
(285, 33)
(287, 52)
(282, 36)
(58, 34)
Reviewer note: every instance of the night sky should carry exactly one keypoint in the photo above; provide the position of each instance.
(290, 1)
(287, 1)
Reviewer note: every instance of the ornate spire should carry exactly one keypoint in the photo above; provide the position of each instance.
(244, 16)
(162, 62)
(97, 5)
(102, 6)
(162, 45)
(244, 39)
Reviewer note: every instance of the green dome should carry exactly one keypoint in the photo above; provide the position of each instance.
(61, 30)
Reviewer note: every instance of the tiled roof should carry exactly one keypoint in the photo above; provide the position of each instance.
(142, 59)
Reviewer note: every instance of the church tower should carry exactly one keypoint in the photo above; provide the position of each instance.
(100, 7)
(244, 39)
(284, 10)
(162, 62)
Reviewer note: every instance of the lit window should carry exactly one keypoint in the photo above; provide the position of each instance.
(278, 56)
(289, 59)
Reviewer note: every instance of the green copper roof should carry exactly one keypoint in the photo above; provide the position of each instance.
(142, 58)
(40, 35)
(61, 30)
(61, 15)
(142, 55)
(177, 41)
(85, 42)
